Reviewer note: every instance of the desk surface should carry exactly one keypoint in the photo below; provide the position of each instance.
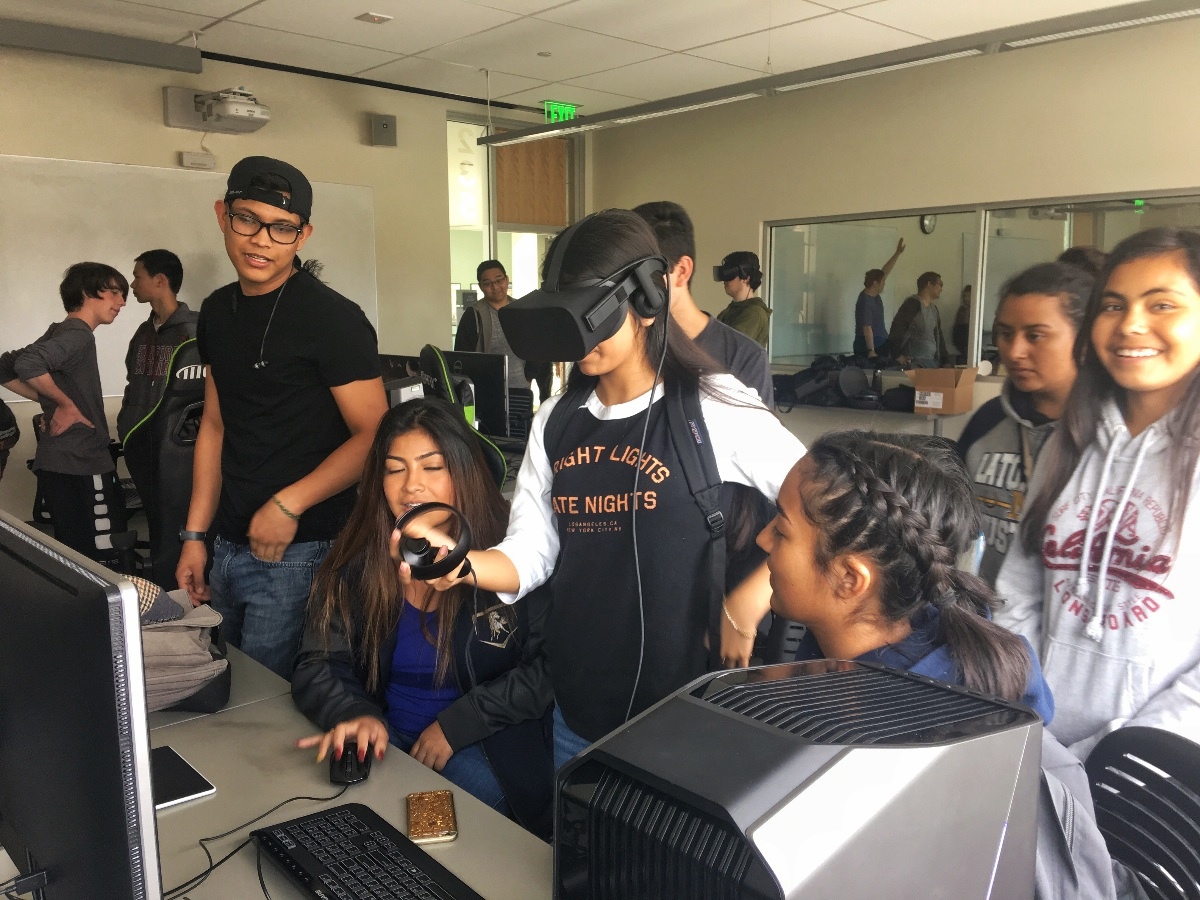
(247, 752)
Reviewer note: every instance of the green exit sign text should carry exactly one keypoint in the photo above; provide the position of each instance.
(557, 111)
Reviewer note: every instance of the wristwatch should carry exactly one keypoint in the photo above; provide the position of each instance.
(185, 535)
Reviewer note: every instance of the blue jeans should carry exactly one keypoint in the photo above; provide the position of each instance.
(467, 768)
(567, 743)
(262, 603)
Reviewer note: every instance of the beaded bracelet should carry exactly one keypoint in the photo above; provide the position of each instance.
(295, 518)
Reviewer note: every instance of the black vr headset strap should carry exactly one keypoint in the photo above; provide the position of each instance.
(560, 251)
(689, 435)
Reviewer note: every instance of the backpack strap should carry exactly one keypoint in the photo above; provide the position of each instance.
(571, 400)
(689, 435)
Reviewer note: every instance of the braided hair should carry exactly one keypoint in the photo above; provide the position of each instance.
(905, 502)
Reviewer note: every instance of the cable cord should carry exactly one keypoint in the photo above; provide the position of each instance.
(637, 562)
(196, 880)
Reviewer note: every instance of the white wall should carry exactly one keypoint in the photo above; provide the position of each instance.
(1108, 113)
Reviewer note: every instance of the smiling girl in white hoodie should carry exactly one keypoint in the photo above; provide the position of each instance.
(1103, 583)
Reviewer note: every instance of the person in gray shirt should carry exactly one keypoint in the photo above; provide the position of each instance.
(916, 336)
(74, 467)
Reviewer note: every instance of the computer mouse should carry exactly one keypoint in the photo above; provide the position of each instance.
(348, 769)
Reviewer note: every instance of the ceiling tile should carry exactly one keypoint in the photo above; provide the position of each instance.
(416, 24)
(814, 42)
(666, 25)
(666, 76)
(268, 45)
(939, 19)
(469, 81)
(108, 16)
(218, 9)
(590, 102)
(521, 7)
(514, 48)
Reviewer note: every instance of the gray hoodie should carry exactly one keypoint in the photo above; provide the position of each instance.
(1113, 612)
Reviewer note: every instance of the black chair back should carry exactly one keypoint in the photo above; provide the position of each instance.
(1146, 788)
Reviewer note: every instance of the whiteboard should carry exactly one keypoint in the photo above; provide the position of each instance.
(57, 212)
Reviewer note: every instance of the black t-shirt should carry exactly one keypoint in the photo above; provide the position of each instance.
(593, 633)
(280, 419)
(744, 358)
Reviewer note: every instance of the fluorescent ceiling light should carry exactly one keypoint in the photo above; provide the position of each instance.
(1097, 29)
(898, 66)
(625, 120)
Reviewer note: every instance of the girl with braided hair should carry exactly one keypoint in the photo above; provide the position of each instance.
(863, 552)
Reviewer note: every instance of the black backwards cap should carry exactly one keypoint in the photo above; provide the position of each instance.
(564, 324)
(300, 191)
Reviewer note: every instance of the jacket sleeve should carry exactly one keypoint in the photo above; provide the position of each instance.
(521, 693)
(325, 685)
(898, 331)
(943, 351)
(466, 338)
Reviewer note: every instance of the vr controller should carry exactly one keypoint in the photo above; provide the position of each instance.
(421, 555)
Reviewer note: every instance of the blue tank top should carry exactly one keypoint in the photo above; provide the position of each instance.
(413, 700)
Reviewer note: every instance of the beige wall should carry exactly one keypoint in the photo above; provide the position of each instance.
(1109, 113)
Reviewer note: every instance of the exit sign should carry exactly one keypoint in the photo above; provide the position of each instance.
(557, 111)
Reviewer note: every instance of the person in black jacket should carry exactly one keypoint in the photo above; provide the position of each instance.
(455, 678)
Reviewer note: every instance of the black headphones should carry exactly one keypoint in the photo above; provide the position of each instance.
(421, 555)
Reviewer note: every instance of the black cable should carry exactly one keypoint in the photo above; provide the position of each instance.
(637, 562)
(196, 880)
(258, 863)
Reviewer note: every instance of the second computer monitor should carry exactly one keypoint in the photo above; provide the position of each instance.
(488, 373)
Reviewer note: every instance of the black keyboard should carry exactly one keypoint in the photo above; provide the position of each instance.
(350, 853)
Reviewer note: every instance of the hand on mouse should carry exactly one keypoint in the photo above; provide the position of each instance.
(364, 730)
(432, 749)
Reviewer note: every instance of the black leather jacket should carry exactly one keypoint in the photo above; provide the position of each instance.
(505, 704)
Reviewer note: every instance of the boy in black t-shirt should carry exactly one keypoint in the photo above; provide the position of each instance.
(292, 400)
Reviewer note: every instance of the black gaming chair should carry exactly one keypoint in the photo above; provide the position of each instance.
(158, 453)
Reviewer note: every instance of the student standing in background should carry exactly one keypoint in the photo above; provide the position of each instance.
(741, 275)
(1036, 325)
(75, 469)
(870, 332)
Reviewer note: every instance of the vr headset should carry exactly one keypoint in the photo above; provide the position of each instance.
(728, 272)
(564, 324)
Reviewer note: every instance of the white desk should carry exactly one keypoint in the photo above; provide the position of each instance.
(247, 752)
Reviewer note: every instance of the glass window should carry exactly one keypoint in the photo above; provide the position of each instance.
(817, 273)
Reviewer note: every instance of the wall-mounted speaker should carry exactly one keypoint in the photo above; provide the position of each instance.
(383, 130)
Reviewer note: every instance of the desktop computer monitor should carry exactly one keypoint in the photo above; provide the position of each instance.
(75, 788)
(488, 373)
(806, 780)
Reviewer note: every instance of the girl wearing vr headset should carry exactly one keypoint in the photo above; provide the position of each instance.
(455, 678)
(740, 274)
(606, 515)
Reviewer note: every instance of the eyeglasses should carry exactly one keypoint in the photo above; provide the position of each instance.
(248, 226)
(496, 282)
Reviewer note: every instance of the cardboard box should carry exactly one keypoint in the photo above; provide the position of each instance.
(943, 392)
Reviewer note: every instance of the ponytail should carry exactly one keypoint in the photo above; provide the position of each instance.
(992, 659)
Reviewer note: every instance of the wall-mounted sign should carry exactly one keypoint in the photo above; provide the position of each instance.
(557, 111)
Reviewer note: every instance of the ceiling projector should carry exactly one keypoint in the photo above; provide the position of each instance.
(233, 109)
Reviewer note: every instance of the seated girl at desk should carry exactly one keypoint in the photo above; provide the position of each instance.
(863, 552)
(454, 678)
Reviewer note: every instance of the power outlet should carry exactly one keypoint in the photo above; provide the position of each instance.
(197, 160)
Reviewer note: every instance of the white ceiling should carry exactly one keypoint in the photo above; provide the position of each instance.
(601, 54)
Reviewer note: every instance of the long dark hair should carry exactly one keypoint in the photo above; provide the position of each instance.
(1094, 386)
(906, 502)
(607, 242)
(364, 542)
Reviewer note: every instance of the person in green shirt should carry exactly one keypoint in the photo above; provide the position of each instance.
(742, 275)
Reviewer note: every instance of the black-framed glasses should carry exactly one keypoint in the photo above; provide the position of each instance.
(248, 226)
(495, 282)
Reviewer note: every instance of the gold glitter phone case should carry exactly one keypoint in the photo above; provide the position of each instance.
(431, 818)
